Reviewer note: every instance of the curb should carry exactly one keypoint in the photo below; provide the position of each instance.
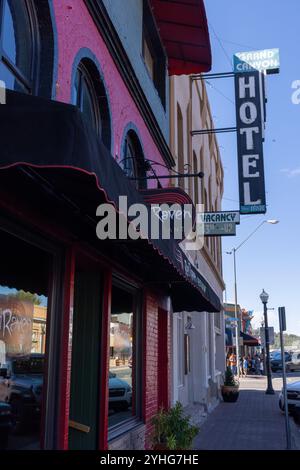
(295, 434)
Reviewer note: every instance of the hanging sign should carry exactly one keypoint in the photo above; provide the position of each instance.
(220, 229)
(263, 337)
(249, 143)
(266, 60)
(217, 217)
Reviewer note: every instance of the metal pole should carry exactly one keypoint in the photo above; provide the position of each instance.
(269, 390)
(286, 410)
(221, 130)
(237, 327)
(200, 174)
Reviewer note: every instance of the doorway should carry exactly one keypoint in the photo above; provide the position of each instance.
(86, 357)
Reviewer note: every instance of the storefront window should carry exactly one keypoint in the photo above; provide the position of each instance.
(23, 329)
(124, 356)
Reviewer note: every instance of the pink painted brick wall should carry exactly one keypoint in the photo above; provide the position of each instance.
(151, 403)
(76, 30)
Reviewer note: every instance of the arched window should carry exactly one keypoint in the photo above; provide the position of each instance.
(180, 147)
(89, 94)
(133, 162)
(202, 179)
(18, 41)
(196, 179)
(206, 209)
(210, 205)
(27, 46)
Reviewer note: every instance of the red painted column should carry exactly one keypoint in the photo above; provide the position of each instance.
(104, 366)
(66, 351)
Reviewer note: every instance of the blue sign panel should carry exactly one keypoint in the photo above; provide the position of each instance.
(250, 143)
(266, 60)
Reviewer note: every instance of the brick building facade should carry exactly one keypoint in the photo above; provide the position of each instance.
(86, 122)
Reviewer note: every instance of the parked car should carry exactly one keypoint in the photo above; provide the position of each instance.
(294, 364)
(5, 424)
(276, 361)
(120, 393)
(293, 398)
(21, 383)
(273, 353)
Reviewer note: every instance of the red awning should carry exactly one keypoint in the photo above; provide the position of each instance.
(249, 340)
(183, 29)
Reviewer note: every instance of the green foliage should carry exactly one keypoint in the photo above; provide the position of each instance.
(290, 340)
(172, 429)
(27, 296)
(229, 379)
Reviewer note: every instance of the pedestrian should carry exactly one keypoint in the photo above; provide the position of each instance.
(232, 362)
(241, 366)
(227, 360)
(261, 366)
(257, 365)
(245, 366)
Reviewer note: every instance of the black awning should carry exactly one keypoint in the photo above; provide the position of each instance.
(53, 139)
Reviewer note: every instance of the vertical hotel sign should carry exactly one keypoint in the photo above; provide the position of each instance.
(250, 142)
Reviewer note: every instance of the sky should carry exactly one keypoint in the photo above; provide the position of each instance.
(270, 259)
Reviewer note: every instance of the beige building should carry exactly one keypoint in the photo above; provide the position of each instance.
(199, 334)
(39, 329)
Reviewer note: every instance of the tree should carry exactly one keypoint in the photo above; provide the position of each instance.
(28, 296)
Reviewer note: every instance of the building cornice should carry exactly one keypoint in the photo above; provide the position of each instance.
(108, 32)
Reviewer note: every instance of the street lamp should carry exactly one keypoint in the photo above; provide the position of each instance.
(238, 320)
(264, 297)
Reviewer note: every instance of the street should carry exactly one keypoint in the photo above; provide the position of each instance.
(254, 422)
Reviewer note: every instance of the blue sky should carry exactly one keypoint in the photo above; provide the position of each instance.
(271, 258)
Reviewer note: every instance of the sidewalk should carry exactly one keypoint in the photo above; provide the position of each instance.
(254, 422)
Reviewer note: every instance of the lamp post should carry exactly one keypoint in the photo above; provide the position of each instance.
(238, 319)
(264, 297)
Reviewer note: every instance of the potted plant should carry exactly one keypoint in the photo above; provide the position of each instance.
(230, 388)
(172, 429)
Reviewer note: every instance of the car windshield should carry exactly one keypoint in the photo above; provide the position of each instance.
(278, 355)
(31, 365)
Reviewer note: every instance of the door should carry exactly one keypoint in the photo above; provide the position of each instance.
(85, 393)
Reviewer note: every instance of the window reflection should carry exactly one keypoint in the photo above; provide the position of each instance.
(16, 45)
(22, 351)
(84, 96)
(9, 33)
(24, 284)
(121, 365)
(133, 162)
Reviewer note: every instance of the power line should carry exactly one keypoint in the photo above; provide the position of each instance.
(237, 44)
(220, 92)
(221, 45)
(228, 199)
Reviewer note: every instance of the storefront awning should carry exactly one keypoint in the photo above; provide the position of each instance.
(52, 140)
(184, 32)
(249, 340)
